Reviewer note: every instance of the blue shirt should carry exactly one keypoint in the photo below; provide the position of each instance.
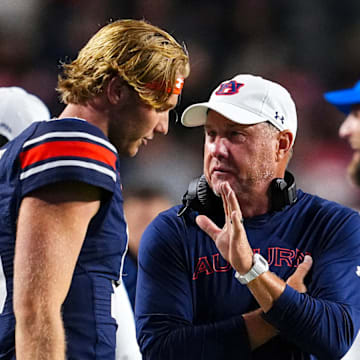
(55, 151)
(190, 306)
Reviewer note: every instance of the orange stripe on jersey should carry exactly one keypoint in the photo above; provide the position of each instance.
(67, 148)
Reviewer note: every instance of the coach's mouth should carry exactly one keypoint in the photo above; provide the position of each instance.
(218, 170)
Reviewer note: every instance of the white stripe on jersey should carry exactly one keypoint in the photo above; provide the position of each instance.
(67, 134)
(59, 163)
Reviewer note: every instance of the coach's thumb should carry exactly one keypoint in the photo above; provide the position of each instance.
(207, 226)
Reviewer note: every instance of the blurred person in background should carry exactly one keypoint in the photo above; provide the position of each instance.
(210, 286)
(18, 109)
(62, 228)
(348, 102)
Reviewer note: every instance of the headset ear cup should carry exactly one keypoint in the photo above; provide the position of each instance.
(203, 190)
(291, 191)
(277, 188)
(210, 203)
(282, 192)
(201, 198)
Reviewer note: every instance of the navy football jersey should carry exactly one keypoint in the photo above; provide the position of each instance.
(67, 150)
(189, 304)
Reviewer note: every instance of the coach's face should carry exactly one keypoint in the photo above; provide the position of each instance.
(350, 130)
(243, 155)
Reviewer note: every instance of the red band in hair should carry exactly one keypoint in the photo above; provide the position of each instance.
(179, 84)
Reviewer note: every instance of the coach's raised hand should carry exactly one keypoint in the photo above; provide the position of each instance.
(231, 240)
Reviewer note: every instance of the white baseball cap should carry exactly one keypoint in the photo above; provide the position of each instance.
(18, 109)
(247, 100)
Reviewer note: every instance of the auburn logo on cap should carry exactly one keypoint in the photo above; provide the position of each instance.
(229, 88)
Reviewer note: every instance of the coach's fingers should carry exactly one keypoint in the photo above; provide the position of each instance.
(208, 226)
(304, 268)
(234, 207)
(306, 265)
(296, 280)
(238, 226)
(224, 201)
(232, 199)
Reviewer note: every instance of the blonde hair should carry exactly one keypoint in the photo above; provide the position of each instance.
(140, 53)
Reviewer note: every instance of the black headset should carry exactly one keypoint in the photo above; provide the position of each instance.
(201, 198)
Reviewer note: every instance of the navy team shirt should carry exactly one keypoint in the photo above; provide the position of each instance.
(67, 150)
(189, 305)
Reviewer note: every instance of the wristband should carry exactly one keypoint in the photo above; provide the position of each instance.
(260, 265)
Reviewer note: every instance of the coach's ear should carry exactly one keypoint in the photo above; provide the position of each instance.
(284, 144)
(116, 90)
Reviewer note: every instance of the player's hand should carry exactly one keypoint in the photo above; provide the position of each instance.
(296, 280)
(231, 240)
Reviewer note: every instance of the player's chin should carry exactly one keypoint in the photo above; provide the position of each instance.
(131, 150)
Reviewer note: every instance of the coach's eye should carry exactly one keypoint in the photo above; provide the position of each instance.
(237, 136)
(211, 134)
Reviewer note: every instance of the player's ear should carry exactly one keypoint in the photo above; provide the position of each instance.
(115, 90)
